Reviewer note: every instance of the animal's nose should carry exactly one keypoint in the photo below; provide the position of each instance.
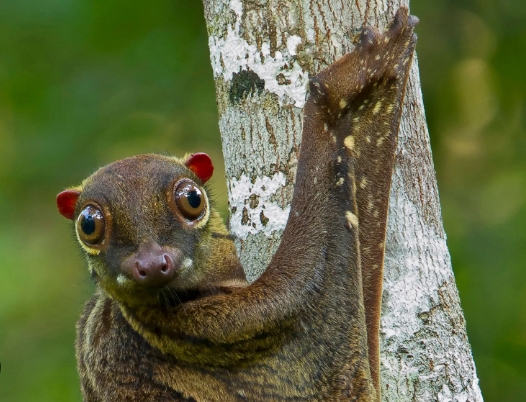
(152, 266)
(153, 269)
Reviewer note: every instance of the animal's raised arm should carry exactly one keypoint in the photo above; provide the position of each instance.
(351, 121)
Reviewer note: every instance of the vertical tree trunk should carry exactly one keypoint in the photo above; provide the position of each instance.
(263, 52)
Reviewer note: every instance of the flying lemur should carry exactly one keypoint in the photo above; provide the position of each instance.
(173, 317)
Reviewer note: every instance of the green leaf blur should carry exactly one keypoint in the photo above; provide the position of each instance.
(83, 83)
(472, 55)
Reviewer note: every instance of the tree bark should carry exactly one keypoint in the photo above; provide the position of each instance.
(263, 53)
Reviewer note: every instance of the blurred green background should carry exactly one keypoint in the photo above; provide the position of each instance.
(85, 82)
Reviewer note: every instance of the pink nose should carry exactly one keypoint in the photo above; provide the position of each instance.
(152, 266)
(153, 270)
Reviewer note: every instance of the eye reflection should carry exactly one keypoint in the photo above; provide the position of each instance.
(189, 200)
(91, 225)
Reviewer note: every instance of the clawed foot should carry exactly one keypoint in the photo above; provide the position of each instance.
(378, 57)
(390, 51)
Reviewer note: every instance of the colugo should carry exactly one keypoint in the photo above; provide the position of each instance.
(173, 317)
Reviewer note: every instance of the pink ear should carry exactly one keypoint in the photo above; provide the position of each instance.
(201, 164)
(66, 201)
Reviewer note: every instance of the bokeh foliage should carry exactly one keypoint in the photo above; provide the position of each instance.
(85, 82)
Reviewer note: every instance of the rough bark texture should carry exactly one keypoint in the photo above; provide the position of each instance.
(263, 52)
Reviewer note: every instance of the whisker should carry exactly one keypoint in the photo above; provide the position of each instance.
(174, 294)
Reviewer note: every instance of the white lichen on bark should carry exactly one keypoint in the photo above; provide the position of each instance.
(261, 214)
(262, 53)
(231, 53)
(426, 355)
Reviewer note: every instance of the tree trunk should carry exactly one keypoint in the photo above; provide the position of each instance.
(263, 52)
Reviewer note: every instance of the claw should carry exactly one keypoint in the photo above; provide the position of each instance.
(401, 20)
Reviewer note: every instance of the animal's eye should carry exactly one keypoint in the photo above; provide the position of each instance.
(189, 199)
(91, 225)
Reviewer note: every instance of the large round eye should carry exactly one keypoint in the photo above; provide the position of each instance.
(189, 199)
(91, 225)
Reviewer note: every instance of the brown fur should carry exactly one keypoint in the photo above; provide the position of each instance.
(307, 329)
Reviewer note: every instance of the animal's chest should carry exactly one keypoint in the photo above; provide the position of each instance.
(107, 341)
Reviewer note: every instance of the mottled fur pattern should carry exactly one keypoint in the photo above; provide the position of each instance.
(307, 329)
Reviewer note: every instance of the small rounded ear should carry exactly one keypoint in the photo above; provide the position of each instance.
(201, 164)
(66, 201)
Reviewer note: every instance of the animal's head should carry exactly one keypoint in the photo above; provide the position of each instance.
(145, 224)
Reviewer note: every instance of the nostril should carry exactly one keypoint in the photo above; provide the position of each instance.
(167, 264)
(140, 271)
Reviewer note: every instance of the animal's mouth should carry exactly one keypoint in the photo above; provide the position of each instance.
(161, 274)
